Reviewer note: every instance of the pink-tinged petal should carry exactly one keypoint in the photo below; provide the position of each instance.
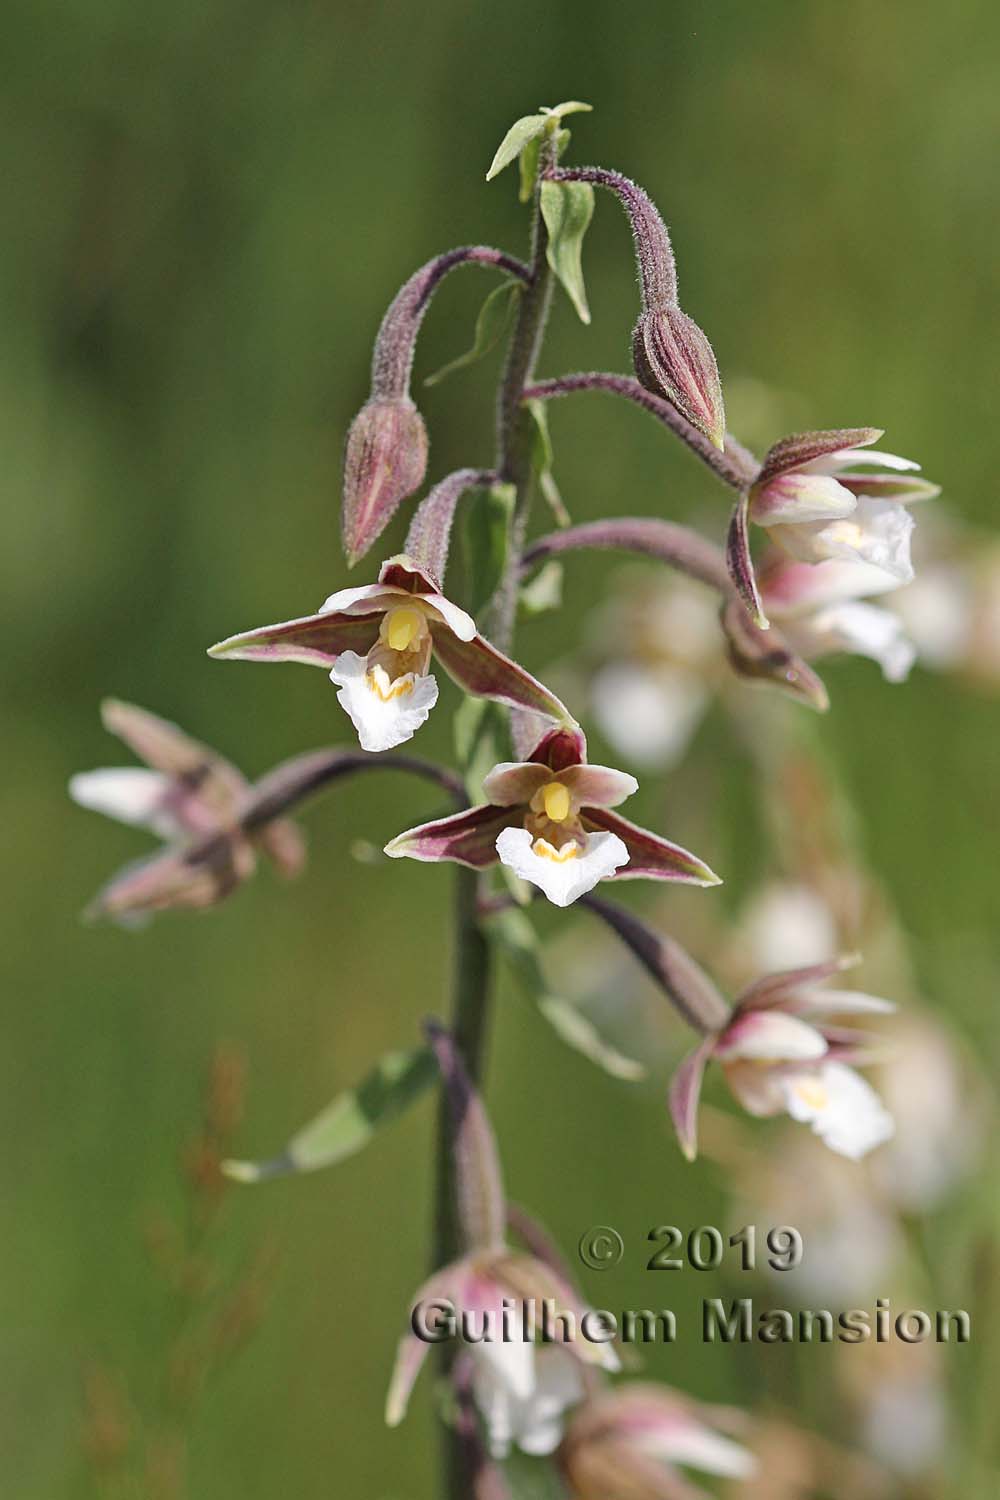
(482, 670)
(650, 857)
(403, 572)
(210, 787)
(457, 621)
(466, 838)
(791, 589)
(739, 561)
(905, 491)
(513, 783)
(184, 878)
(685, 1094)
(759, 1090)
(773, 988)
(806, 447)
(795, 498)
(599, 786)
(769, 1036)
(443, 1286)
(316, 640)
(561, 748)
(877, 457)
(810, 1002)
(365, 599)
(284, 844)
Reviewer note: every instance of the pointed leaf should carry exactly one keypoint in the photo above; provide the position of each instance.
(351, 1121)
(542, 458)
(528, 166)
(520, 133)
(570, 107)
(518, 941)
(544, 592)
(495, 317)
(567, 208)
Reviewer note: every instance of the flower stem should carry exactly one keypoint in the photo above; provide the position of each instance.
(736, 466)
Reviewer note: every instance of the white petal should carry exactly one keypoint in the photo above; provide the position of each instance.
(798, 497)
(878, 533)
(463, 625)
(698, 1447)
(785, 927)
(562, 881)
(648, 714)
(861, 629)
(770, 1036)
(842, 1108)
(538, 1421)
(131, 794)
(850, 458)
(367, 598)
(382, 722)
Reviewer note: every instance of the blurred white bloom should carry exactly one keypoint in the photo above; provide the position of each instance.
(526, 1412)
(785, 926)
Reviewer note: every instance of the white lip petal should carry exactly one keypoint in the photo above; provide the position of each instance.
(850, 457)
(130, 793)
(562, 881)
(382, 722)
(841, 1106)
(862, 629)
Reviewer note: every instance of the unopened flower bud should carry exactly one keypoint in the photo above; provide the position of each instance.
(674, 359)
(385, 461)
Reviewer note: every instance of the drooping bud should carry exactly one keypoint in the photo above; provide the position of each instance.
(385, 461)
(674, 359)
(765, 656)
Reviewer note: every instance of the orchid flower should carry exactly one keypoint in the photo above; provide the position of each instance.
(193, 799)
(780, 1054)
(376, 642)
(549, 820)
(635, 1440)
(818, 499)
(822, 608)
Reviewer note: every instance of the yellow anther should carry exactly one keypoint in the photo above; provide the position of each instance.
(379, 684)
(812, 1092)
(545, 850)
(556, 801)
(402, 627)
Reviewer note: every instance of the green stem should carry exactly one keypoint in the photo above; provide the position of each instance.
(515, 428)
(470, 1005)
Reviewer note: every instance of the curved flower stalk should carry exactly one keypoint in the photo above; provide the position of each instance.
(781, 1055)
(493, 1301)
(376, 642)
(636, 1440)
(549, 819)
(195, 800)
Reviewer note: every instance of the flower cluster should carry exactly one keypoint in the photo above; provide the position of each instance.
(524, 796)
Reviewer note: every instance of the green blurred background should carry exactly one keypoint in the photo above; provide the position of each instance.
(208, 206)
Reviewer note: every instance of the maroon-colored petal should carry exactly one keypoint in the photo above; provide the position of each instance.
(649, 857)
(804, 447)
(404, 572)
(482, 670)
(466, 838)
(316, 640)
(772, 988)
(561, 748)
(739, 561)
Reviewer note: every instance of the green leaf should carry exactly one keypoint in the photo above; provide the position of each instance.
(350, 1121)
(495, 317)
(572, 107)
(520, 133)
(541, 459)
(544, 592)
(518, 941)
(487, 537)
(528, 165)
(567, 208)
